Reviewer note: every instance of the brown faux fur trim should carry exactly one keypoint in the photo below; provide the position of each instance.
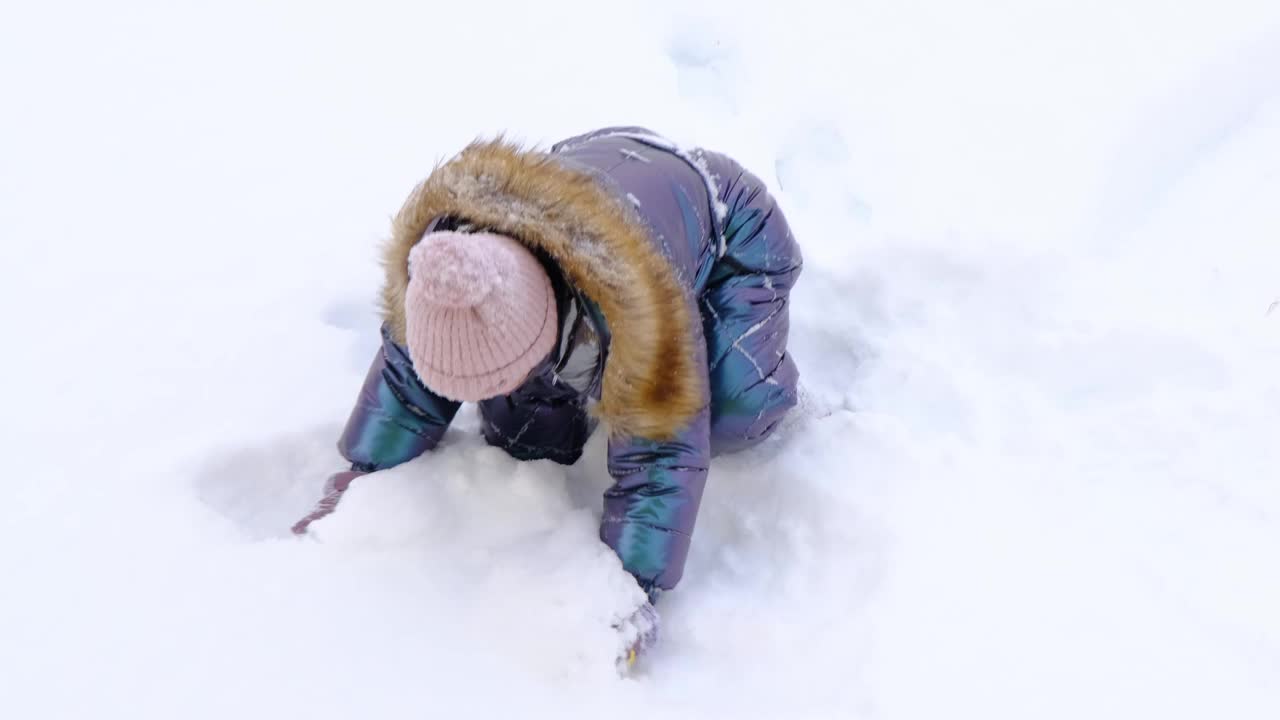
(650, 387)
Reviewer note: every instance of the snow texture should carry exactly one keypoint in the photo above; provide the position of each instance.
(1034, 473)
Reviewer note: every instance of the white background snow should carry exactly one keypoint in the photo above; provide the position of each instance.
(1035, 475)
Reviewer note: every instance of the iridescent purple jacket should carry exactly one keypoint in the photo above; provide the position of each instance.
(731, 251)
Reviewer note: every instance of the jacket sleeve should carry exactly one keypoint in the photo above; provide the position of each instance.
(650, 510)
(396, 418)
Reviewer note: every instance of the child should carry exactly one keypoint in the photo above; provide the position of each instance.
(617, 277)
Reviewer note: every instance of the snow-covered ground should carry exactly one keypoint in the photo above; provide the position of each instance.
(1036, 474)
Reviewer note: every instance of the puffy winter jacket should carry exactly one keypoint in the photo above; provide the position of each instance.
(672, 269)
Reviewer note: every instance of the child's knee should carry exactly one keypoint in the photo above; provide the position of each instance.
(752, 416)
(536, 433)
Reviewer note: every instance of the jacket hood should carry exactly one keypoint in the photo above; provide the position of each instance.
(650, 388)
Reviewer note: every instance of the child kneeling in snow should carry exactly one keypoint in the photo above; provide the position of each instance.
(616, 277)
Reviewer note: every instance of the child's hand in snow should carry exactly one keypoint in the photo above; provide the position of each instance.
(638, 633)
(334, 487)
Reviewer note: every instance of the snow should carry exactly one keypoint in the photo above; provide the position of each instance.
(1033, 474)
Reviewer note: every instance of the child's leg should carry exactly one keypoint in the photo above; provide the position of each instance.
(753, 378)
(532, 428)
(745, 312)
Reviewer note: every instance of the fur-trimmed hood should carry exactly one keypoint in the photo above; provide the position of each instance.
(651, 388)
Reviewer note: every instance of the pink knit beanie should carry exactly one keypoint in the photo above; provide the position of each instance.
(480, 314)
